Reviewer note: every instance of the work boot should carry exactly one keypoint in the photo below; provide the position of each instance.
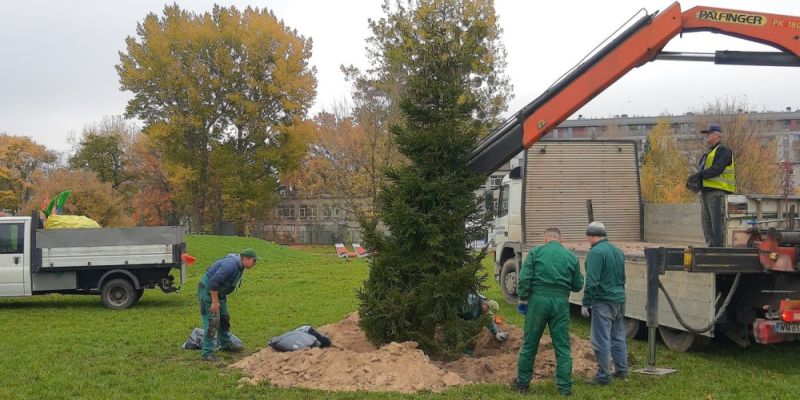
(595, 382)
(233, 348)
(620, 376)
(210, 358)
(519, 388)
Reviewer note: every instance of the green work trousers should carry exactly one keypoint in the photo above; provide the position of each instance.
(216, 328)
(553, 312)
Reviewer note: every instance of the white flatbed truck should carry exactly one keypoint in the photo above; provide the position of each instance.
(116, 263)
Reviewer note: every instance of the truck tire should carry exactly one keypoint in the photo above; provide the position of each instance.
(633, 328)
(508, 281)
(139, 294)
(682, 341)
(118, 294)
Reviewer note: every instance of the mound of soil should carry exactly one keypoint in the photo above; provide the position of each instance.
(352, 363)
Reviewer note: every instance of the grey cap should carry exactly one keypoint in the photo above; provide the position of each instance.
(596, 228)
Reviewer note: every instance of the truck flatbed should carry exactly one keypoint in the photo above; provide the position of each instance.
(102, 247)
(630, 249)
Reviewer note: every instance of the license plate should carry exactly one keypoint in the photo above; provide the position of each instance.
(787, 327)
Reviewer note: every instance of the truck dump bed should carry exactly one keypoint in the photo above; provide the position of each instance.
(71, 248)
(630, 249)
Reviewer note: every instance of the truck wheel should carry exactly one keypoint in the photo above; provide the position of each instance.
(681, 341)
(118, 294)
(508, 281)
(139, 294)
(633, 328)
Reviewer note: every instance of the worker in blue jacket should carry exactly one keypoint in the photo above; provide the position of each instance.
(220, 280)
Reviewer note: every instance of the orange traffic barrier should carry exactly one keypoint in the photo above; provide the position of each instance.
(188, 258)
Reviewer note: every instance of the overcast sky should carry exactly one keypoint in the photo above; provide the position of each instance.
(57, 57)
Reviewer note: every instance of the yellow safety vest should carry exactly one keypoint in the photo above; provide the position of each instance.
(724, 181)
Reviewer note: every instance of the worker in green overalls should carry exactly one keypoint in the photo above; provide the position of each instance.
(547, 276)
(220, 280)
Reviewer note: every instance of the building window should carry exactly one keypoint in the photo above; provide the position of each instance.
(286, 212)
(307, 213)
(495, 181)
(331, 212)
(304, 213)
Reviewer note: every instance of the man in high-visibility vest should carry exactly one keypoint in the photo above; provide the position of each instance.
(716, 178)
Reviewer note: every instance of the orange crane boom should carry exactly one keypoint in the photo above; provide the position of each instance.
(637, 45)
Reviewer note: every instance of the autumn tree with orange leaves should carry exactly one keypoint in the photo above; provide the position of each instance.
(345, 163)
(755, 153)
(664, 168)
(224, 94)
(21, 163)
(153, 203)
(90, 197)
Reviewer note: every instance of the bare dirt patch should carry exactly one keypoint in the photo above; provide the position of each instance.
(352, 363)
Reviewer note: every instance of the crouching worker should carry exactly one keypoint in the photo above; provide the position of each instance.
(476, 307)
(547, 276)
(220, 280)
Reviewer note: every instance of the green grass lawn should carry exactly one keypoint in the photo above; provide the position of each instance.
(66, 347)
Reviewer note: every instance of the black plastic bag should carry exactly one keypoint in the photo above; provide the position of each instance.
(324, 340)
(195, 340)
(300, 338)
(694, 183)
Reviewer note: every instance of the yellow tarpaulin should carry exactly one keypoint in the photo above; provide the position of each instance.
(69, 222)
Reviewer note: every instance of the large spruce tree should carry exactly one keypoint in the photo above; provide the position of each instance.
(447, 56)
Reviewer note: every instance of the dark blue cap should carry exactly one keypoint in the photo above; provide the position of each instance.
(713, 128)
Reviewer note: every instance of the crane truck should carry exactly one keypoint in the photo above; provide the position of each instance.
(116, 263)
(765, 308)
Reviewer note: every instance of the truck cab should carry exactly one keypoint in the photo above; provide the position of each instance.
(15, 260)
(507, 232)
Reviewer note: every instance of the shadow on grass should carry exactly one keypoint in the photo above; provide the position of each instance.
(85, 303)
(777, 358)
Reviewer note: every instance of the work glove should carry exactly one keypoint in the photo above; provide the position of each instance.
(586, 312)
(501, 336)
(522, 308)
(694, 183)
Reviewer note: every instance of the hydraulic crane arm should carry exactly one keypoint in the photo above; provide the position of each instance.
(640, 43)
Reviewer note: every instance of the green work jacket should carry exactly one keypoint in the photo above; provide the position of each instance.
(605, 274)
(549, 270)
